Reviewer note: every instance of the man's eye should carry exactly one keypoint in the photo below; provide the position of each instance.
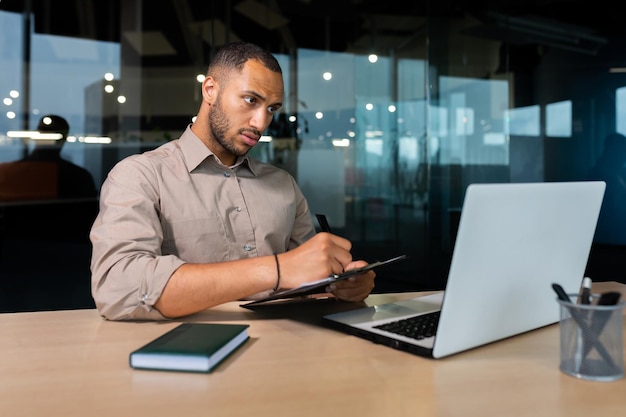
(272, 109)
(250, 100)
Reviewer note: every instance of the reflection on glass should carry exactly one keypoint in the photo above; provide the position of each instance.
(559, 119)
(478, 107)
(620, 110)
(523, 121)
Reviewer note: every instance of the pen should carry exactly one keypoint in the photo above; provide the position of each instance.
(321, 219)
(600, 318)
(588, 336)
(585, 293)
(581, 346)
(609, 298)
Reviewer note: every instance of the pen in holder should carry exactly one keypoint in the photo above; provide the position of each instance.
(591, 339)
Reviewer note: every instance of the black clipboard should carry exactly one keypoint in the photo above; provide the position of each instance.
(317, 287)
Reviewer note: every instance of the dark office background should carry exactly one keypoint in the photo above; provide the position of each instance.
(462, 92)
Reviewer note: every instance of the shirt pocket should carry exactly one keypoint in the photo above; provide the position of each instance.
(196, 240)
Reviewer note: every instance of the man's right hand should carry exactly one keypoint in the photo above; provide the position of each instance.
(319, 257)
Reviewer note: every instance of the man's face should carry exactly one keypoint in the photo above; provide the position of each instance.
(243, 109)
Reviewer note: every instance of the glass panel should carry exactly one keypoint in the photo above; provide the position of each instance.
(389, 113)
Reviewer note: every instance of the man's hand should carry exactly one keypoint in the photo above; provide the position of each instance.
(319, 257)
(355, 288)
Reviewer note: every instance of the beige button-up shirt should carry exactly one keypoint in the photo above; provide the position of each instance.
(178, 204)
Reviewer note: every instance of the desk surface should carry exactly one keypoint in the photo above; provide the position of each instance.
(73, 363)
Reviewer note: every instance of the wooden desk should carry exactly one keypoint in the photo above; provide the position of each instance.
(73, 363)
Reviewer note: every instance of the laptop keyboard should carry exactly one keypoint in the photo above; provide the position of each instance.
(417, 327)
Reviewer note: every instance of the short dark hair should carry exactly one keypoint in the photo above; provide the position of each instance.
(234, 56)
(53, 123)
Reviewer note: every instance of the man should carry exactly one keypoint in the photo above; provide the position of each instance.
(43, 174)
(196, 222)
(610, 167)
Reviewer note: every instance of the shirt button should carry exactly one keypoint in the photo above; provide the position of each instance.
(227, 174)
(247, 247)
(237, 208)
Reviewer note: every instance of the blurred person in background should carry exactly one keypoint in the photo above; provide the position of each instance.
(43, 174)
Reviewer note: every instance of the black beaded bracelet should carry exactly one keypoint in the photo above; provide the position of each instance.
(278, 272)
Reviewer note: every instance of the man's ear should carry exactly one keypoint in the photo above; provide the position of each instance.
(209, 89)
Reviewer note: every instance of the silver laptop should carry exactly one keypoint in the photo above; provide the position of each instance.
(513, 241)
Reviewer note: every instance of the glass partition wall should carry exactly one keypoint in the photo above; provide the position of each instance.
(391, 110)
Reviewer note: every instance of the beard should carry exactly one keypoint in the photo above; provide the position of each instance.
(219, 126)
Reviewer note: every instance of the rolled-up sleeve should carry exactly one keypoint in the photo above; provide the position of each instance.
(128, 269)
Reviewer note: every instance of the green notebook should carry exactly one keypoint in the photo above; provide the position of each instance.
(190, 347)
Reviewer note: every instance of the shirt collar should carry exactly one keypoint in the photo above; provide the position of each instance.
(195, 152)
